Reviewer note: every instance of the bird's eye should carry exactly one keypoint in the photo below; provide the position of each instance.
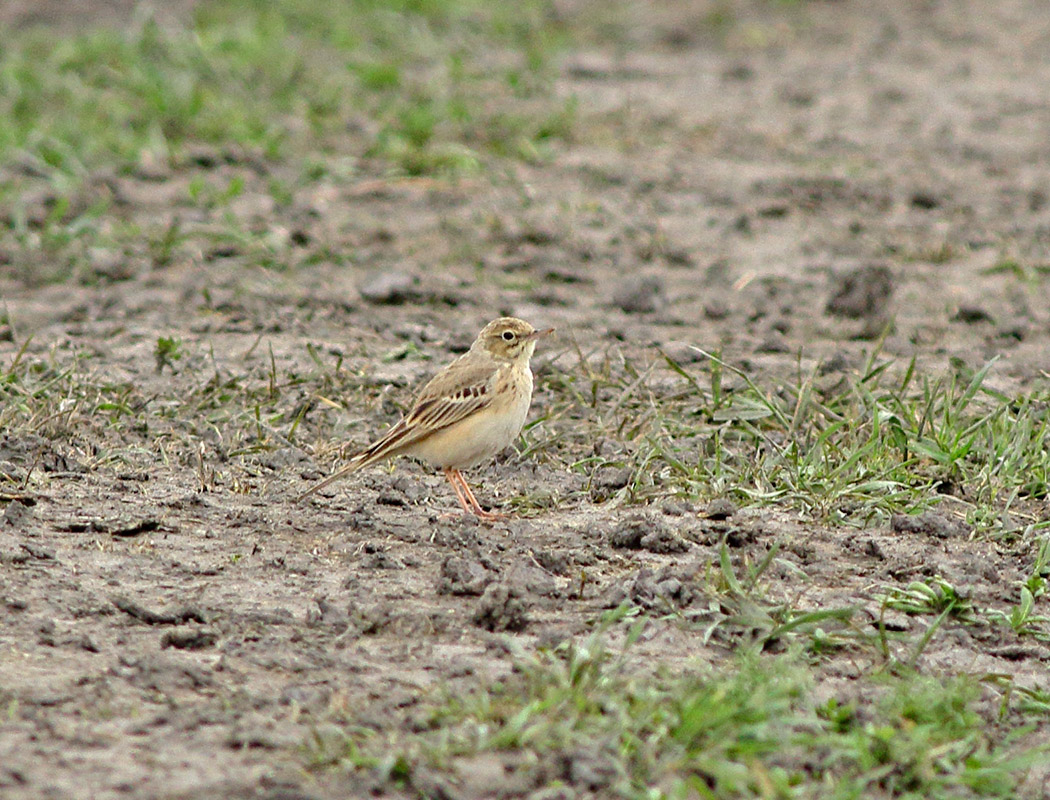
(508, 336)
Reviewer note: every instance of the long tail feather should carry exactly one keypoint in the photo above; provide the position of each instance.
(389, 445)
(353, 466)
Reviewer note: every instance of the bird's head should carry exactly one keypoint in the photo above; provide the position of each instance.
(509, 338)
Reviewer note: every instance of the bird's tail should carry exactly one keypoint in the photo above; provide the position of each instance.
(393, 442)
(355, 464)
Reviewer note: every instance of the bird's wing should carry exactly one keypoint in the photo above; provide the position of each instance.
(464, 387)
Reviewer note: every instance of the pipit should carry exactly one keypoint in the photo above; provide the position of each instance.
(466, 413)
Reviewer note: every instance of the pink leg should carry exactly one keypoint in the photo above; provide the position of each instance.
(475, 505)
(451, 475)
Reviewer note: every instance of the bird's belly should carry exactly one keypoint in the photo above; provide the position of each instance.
(478, 437)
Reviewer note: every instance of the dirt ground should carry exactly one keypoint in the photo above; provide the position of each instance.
(174, 625)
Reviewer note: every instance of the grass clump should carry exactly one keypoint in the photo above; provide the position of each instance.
(855, 446)
(596, 718)
(192, 411)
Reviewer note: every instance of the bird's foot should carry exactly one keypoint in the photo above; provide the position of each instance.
(489, 516)
(482, 515)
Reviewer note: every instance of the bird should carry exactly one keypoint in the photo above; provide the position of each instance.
(466, 413)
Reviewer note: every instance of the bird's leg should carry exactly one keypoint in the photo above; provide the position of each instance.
(476, 506)
(451, 475)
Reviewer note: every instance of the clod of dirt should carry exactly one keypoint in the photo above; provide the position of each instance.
(123, 527)
(189, 639)
(427, 782)
(888, 618)
(590, 768)
(257, 730)
(720, 508)
(46, 628)
(773, 342)
(177, 617)
(305, 696)
(678, 257)
(1016, 332)
(648, 532)
(673, 585)
(463, 576)
(676, 508)
(136, 528)
(740, 537)
(502, 608)
(873, 549)
(381, 560)
(683, 353)
(16, 515)
(552, 561)
(971, 315)
(608, 481)
(716, 308)
(390, 497)
(925, 200)
(13, 558)
(370, 620)
(532, 579)
(38, 552)
(630, 532)
(460, 533)
(930, 523)
(1020, 652)
(329, 616)
(163, 673)
(664, 541)
(487, 775)
(837, 363)
(862, 293)
(388, 287)
(641, 295)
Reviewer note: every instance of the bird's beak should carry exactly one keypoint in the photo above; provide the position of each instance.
(540, 334)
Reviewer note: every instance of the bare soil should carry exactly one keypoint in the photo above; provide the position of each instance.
(177, 627)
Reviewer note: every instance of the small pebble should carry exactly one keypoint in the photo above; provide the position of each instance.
(388, 286)
(640, 295)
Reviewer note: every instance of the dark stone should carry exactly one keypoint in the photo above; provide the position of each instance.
(640, 295)
(720, 508)
(861, 293)
(925, 200)
(189, 639)
(388, 287)
(971, 315)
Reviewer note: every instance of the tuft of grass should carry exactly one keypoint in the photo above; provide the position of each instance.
(599, 718)
(849, 448)
(167, 351)
(222, 422)
(936, 596)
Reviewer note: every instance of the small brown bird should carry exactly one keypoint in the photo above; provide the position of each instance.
(467, 413)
